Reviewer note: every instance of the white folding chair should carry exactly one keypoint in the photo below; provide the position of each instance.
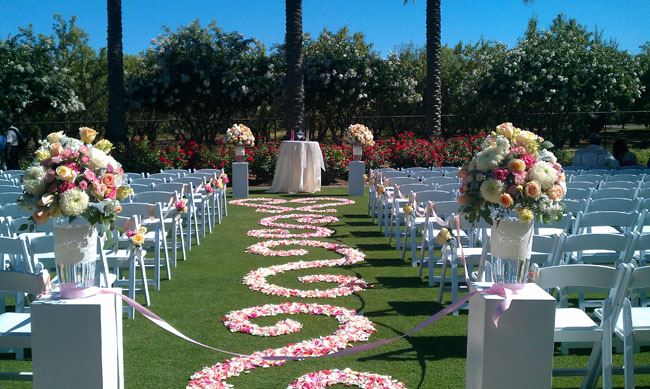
(441, 180)
(605, 222)
(578, 194)
(200, 202)
(609, 204)
(183, 190)
(426, 174)
(133, 176)
(575, 326)
(580, 185)
(379, 175)
(166, 177)
(402, 193)
(10, 197)
(614, 193)
(619, 184)
(15, 327)
(386, 200)
(15, 257)
(147, 181)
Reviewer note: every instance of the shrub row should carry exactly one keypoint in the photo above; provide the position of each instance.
(141, 155)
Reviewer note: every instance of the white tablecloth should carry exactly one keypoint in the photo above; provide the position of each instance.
(298, 168)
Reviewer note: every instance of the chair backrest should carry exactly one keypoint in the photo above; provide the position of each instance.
(216, 171)
(147, 181)
(613, 193)
(640, 278)
(392, 173)
(13, 173)
(426, 174)
(445, 208)
(141, 210)
(179, 188)
(407, 189)
(13, 211)
(581, 185)
(644, 193)
(608, 204)
(441, 180)
(382, 170)
(166, 177)
(452, 187)
(195, 181)
(160, 197)
(414, 169)
(9, 197)
(626, 176)
(400, 181)
(8, 188)
(13, 281)
(435, 196)
(133, 176)
(16, 223)
(640, 242)
(139, 188)
(574, 169)
(596, 178)
(578, 194)
(633, 170)
(446, 169)
(543, 248)
(574, 206)
(601, 172)
(14, 254)
(616, 246)
(619, 184)
(626, 221)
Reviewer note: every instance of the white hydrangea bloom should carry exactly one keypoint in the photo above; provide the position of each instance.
(73, 202)
(34, 180)
(543, 173)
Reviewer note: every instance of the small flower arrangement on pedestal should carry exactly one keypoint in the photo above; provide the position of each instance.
(74, 178)
(513, 171)
(358, 135)
(240, 136)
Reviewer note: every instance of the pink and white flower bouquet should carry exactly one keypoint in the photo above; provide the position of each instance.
(240, 136)
(358, 134)
(513, 171)
(73, 178)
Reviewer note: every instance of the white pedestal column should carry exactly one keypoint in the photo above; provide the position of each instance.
(240, 179)
(77, 343)
(517, 354)
(355, 178)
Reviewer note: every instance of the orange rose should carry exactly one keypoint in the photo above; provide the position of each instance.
(118, 209)
(532, 190)
(517, 165)
(46, 199)
(138, 239)
(41, 216)
(108, 179)
(555, 193)
(506, 200)
(55, 149)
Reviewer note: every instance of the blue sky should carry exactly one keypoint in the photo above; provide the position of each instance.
(386, 23)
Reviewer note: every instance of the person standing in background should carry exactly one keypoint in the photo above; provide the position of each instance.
(624, 156)
(13, 148)
(594, 155)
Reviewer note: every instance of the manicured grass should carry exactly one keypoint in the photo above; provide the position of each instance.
(209, 285)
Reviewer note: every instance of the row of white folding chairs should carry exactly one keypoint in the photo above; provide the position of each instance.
(638, 169)
(603, 193)
(11, 174)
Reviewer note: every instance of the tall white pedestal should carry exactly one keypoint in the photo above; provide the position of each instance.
(517, 354)
(240, 179)
(77, 343)
(356, 169)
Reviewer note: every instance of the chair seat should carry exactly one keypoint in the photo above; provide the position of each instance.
(549, 231)
(15, 330)
(640, 322)
(570, 321)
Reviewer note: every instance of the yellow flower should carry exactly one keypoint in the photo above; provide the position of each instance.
(104, 145)
(54, 137)
(55, 210)
(66, 174)
(87, 134)
(365, 178)
(408, 209)
(516, 165)
(444, 236)
(506, 129)
(124, 192)
(219, 184)
(525, 214)
(137, 239)
(42, 154)
(143, 230)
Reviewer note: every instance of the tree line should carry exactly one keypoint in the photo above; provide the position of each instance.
(194, 81)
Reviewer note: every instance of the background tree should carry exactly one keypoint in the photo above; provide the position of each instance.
(294, 89)
(116, 131)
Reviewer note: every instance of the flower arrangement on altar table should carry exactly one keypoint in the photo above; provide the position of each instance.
(513, 171)
(358, 134)
(240, 136)
(73, 178)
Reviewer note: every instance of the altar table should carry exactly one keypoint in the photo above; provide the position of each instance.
(77, 343)
(298, 168)
(517, 354)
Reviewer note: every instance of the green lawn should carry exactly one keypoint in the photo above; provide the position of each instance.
(209, 285)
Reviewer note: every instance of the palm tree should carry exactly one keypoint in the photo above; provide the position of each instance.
(294, 99)
(116, 131)
(432, 91)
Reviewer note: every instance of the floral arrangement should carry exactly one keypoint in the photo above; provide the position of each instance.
(136, 236)
(513, 171)
(239, 135)
(445, 237)
(73, 178)
(358, 134)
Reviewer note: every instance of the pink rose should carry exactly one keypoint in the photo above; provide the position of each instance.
(56, 160)
(90, 175)
(500, 174)
(85, 159)
(521, 178)
(109, 169)
(83, 149)
(83, 184)
(67, 153)
(111, 193)
(74, 166)
(528, 159)
(65, 186)
(98, 190)
(50, 175)
(512, 190)
(75, 155)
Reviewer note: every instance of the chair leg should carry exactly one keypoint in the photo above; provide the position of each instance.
(414, 246)
(406, 238)
(145, 282)
(442, 279)
(628, 346)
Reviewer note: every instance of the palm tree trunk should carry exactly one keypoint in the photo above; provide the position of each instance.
(116, 131)
(294, 88)
(433, 94)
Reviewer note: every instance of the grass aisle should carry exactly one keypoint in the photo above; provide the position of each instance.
(209, 285)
